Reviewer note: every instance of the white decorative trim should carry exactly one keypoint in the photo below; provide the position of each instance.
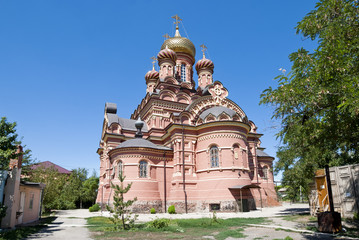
(203, 150)
(221, 168)
(221, 135)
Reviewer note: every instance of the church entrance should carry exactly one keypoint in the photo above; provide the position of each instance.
(245, 201)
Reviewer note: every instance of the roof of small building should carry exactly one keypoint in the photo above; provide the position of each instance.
(216, 111)
(260, 153)
(33, 184)
(48, 164)
(140, 142)
(127, 124)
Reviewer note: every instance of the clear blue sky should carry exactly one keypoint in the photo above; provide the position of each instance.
(60, 61)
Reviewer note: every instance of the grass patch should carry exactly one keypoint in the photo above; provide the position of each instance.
(286, 238)
(230, 233)
(282, 229)
(25, 231)
(101, 227)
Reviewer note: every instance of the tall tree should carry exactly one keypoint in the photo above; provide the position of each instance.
(121, 216)
(317, 102)
(8, 146)
(89, 189)
(55, 184)
(73, 189)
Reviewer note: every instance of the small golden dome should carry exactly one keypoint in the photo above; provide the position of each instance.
(180, 44)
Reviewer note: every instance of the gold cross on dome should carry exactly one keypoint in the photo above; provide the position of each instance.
(154, 59)
(178, 20)
(166, 36)
(204, 48)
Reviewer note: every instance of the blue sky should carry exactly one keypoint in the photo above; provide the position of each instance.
(60, 61)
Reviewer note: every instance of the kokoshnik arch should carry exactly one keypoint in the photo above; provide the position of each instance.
(194, 148)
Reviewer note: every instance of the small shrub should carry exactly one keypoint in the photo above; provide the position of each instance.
(356, 216)
(2, 212)
(214, 218)
(159, 223)
(171, 209)
(94, 208)
(153, 211)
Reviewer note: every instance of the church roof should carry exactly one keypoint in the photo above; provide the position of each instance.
(48, 164)
(127, 124)
(216, 111)
(260, 153)
(140, 142)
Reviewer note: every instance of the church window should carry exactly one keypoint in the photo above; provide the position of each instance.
(143, 169)
(265, 172)
(235, 151)
(119, 168)
(214, 157)
(113, 172)
(183, 72)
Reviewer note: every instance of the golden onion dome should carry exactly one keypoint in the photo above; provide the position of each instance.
(180, 44)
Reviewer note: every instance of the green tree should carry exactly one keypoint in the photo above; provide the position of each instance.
(121, 215)
(317, 102)
(55, 184)
(8, 147)
(74, 186)
(89, 189)
(8, 142)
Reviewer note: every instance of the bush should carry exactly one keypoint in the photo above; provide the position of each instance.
(171, 209)
(158, 223)
(94, 208)
(153, 211)
(2, 212)
(356, 216)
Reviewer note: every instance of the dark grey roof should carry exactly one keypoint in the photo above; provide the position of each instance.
(205, 89)
(260, 153)
(216, 111)
(244, 186)
(33, 184)
(140, 142)
(128, 124)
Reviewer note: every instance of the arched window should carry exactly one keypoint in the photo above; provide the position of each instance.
(183, 72)
(143, 169)
(214, 157)
(119, 168)
(265, 172)
(236, 151)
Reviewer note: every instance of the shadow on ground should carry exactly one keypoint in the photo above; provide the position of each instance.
(294, 211)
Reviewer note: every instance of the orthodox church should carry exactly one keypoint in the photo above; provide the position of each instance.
(187, 146)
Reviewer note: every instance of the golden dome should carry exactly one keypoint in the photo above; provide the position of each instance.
(180, 44)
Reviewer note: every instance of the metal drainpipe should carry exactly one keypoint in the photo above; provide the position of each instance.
(164, 179)
(259, 189)
(183, 171)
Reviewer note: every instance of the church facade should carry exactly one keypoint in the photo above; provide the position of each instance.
(187, 146)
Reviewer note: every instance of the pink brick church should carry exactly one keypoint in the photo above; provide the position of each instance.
(187, 146)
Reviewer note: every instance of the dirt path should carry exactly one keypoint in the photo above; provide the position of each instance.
(69, 224)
